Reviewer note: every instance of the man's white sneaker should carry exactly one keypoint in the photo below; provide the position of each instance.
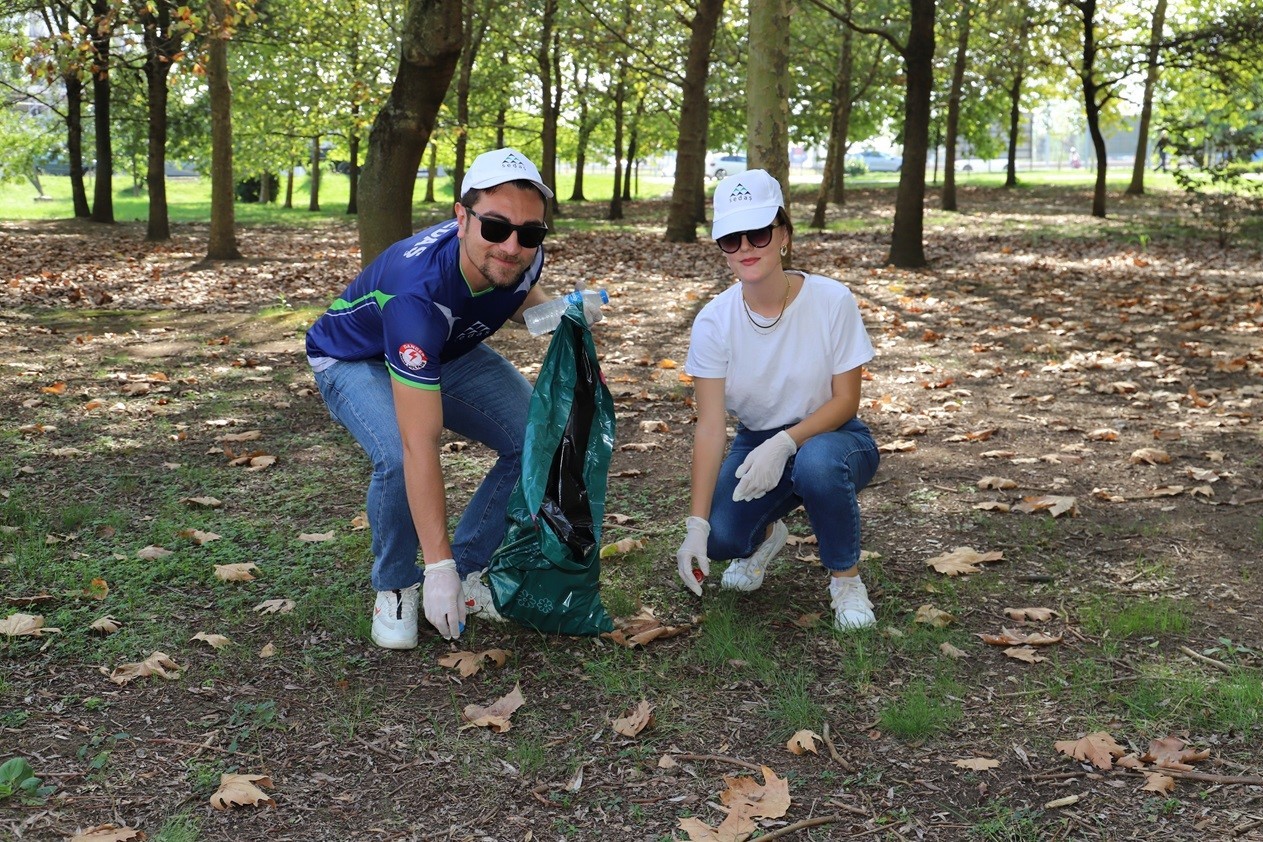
(478, 597)
(395, 618)
(851, 606)
(746, 574)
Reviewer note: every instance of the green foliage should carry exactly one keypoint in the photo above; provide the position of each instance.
(17, 779)
(1221, 198)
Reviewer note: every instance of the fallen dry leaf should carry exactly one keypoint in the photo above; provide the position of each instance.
(1173, 753)
(807, 621)
(24, 625)
(951, 651)
(235, 572)
(215, 641)
(635, 720)
(267, 651)
(107, 833)
(241, 791)
(469, 663)
(275, 606)
(977, 764)
(204, 502)
(803, 741)
(1024, 653)
(495, 715)
(962, 560)
(996, 483)
(769, 800)
(642, 628)
(622, 547)
(932, 616)
(105, 625)
(197, 536)
(1149, 456)
(152, 552)
(1097, 748)
(1054, 504)
(158, 664)
(1009, 637)
(1039, 615)
(1158, 782)
(315, 537)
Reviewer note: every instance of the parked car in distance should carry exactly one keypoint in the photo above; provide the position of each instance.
(721, 166)
(877, 161)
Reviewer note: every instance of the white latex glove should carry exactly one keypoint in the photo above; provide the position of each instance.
(763, 467)
(693, 552)
(442, 598)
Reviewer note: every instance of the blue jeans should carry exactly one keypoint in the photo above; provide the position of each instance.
(824, 477)
(485, 398)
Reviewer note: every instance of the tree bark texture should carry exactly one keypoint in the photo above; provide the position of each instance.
(160, 50)
(475, 27)
(1137, 186)
(767, 90)
(549, 94)
(430, 50)
(953, 104)
(839, 123)
(103, 192)
(688, 193)
(907, 249)
(1091, 101)
(74, 144)
(223, 233)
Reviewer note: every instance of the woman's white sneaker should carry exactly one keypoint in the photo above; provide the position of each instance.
(746, 574)
(478, 599)
(395, 618)
(851, 606)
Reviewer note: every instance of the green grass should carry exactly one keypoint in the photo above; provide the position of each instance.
(921, 710)
(1135, 618)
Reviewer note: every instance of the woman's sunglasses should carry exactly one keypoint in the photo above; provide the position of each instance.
(759, 237)
(497, 231)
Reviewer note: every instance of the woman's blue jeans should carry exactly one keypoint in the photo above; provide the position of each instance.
(824, 477)
(485, 398)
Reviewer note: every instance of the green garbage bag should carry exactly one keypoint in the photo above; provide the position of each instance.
(546, 574)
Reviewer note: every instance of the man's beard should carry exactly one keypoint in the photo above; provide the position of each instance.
(499, 276)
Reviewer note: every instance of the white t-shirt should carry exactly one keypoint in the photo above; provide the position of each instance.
(779, 377)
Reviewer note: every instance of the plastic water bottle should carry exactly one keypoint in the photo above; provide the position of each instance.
(544, 318)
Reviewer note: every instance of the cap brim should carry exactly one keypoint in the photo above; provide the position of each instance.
(746, 219)
(494, 182)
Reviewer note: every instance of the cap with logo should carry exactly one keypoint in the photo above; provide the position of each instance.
(746, 201)
(499, 166)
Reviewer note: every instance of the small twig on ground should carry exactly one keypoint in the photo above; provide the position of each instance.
(1246, 827)
(1045, 688)
(855, 811)
(833, 751)
(1198, 656)
(201, 747)
(1250, 501)
(1209, 777)
(719, 758)
(539, 796)
(1052, 776)
(797, 826)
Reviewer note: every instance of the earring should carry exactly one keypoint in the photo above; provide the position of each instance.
(784, 250)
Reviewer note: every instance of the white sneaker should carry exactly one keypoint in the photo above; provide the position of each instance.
(851, 606)
(395, 618)
(746, 574)
(478, 599)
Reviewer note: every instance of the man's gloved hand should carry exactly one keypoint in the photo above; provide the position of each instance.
(693, 552)
(762, 469)
(442, 598)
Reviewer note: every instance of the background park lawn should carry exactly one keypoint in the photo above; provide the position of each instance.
(1076, 400)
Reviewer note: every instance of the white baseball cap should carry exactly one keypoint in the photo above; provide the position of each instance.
(499, 166)
(745, 201)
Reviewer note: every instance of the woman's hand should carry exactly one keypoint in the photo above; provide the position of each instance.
(762, 469)
(693, 552)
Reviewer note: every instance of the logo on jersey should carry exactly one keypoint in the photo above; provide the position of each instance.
(412, 356)
(477, 330)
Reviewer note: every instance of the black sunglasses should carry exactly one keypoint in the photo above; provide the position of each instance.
(497, 230)
(759, 237)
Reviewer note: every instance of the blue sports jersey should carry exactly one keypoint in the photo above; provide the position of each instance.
(413, 306)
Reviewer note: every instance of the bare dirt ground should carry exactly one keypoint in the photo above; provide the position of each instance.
(1082, 398)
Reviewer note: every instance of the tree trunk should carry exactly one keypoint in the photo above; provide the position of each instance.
(1092, 106)
(289, 187)
(839, 123)
(1137, 186)
(431, 173)
(907, 249)
(688, 193)
(74, 144)
(548, 94)
(223, 234)
(103, 194)
(313, 201)
(1015, 119)
(473, 35)
(953, 106)
(352, 202)
(431, 47)
(582, 94)
(620, 97)
(767, 90)
(160, 51)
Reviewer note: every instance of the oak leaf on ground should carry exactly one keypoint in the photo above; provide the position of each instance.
(159, 664)
(1009, 637)
(803, 741)
(107, 833)
(105, 625)
(635, 720)
(23, 625)
(1173, 753)
(495, 715)
(469, 663)
(962, 560)
(241, 791)
(275, 606)
(1158, 782)
(214, 641)
(235, 572)
(977, 764)
(1097, 748)
(642, 628)
(932, 616)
